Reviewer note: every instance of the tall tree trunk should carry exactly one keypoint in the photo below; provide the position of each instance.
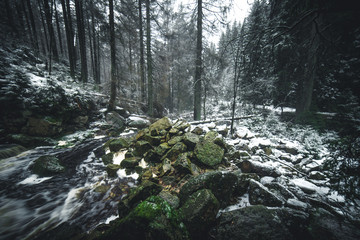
(27, 19)
(52, 43)
(69, 38)
(82, 40)
(198, 64)
(58, 29)
(32, 23)
(112, 104)
(96, 72)
(306, 86)
(142, 61)
(9, 15)
(45, 46)
(149, 61)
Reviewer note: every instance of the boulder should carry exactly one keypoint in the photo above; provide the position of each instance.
(251, 166)
(208, 153)
(115, 120)
(112, 169)
(152, 219)
(138, 122)
(46, 127)
(136, 195)
(259, 194)
(141, 147)
(175, 151)
(47, 166)
(171, 199)
(107, 158)
(117, 144)
(183, 164)
(161, 124)
(222, 184)
(199, 213)
(191, 139)
(131, 162)
(162, 149)
(259, 222)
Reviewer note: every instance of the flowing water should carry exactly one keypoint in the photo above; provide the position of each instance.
(82, 197)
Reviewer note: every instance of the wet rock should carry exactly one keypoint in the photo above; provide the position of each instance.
(112, 169)
(30, 141)
(10, 150)
(107, 158)
(115, 120)
(325, 226)
(161, 124)
(279, 190)
(131, 162)
(171, 199)
(199, 212)
(243, 180)
(140, 193)
(191, 139)
(259, 194)
(138, 122)
(251, 166)
(141, 147)
(152, 219)
(117, 144)
(259, 222)
(175, 151)
(47, 166)
(208, 153)
(46, 127)
(222, 184)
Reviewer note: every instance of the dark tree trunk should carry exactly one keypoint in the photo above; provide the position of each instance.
(149, 61)
(82, 40)
(142, 61)
(58, 29)
(96, 69)
(10, 19)
(46, 45)
(33, 27)
(52, 43)
(198, 64)
(69, 38)
(112, 104)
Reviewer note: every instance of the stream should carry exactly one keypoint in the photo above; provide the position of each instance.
(82, 197)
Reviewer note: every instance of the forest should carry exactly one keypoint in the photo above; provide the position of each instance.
(168, 119)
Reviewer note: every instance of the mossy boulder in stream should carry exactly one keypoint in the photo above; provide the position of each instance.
(117, 144)
(152, 219)
(208, 153)
(47, 166)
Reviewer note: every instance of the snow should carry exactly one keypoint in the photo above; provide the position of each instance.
(36, 80)
(122, 174)
(118, 157)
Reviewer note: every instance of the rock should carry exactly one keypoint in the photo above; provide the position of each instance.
(304, 185)
(175, 140)
(222, 184)
(141, 147)
(191, 139)
(116, 144)
(250, 166)
(107, 158)
(112, 169)
(138, 122)
(325, 226)
(46, 127)
(175, 151)
(136, 195)
(316, 175)
(198, 131)
(81, 120)
(153, 140)
(102, 189)
(161, 124)
(47, 166)
(131, 162)
(211, 135)
(279, 190)
(166, 166)
(208, 153)
(181, 125)
(115, 120)
(10, 150)
(171, 199)
(243, 180)
(153, 218)
(199, 212)
(183, 164)
(259, 222)
(259, 194)
(152, 156)
(162, 149)
(287, 149)
(296, 204)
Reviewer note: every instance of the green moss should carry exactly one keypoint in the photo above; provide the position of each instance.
(47, 166)
(107, 158)
(209, 153)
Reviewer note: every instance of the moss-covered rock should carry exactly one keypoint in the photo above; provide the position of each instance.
(162, 149)
(183, 164)
(152, 219)
(191, 139)
(107, 158)
(117, 144)
(131, 162)
(111, 169)
(47, 166)
(209, 153)
(140, 193)
(199, 212)
(161, 124)
(170, 198)
(141, 147)
(222, 184)
(175, 151)
(174, 140)
(153, 140)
